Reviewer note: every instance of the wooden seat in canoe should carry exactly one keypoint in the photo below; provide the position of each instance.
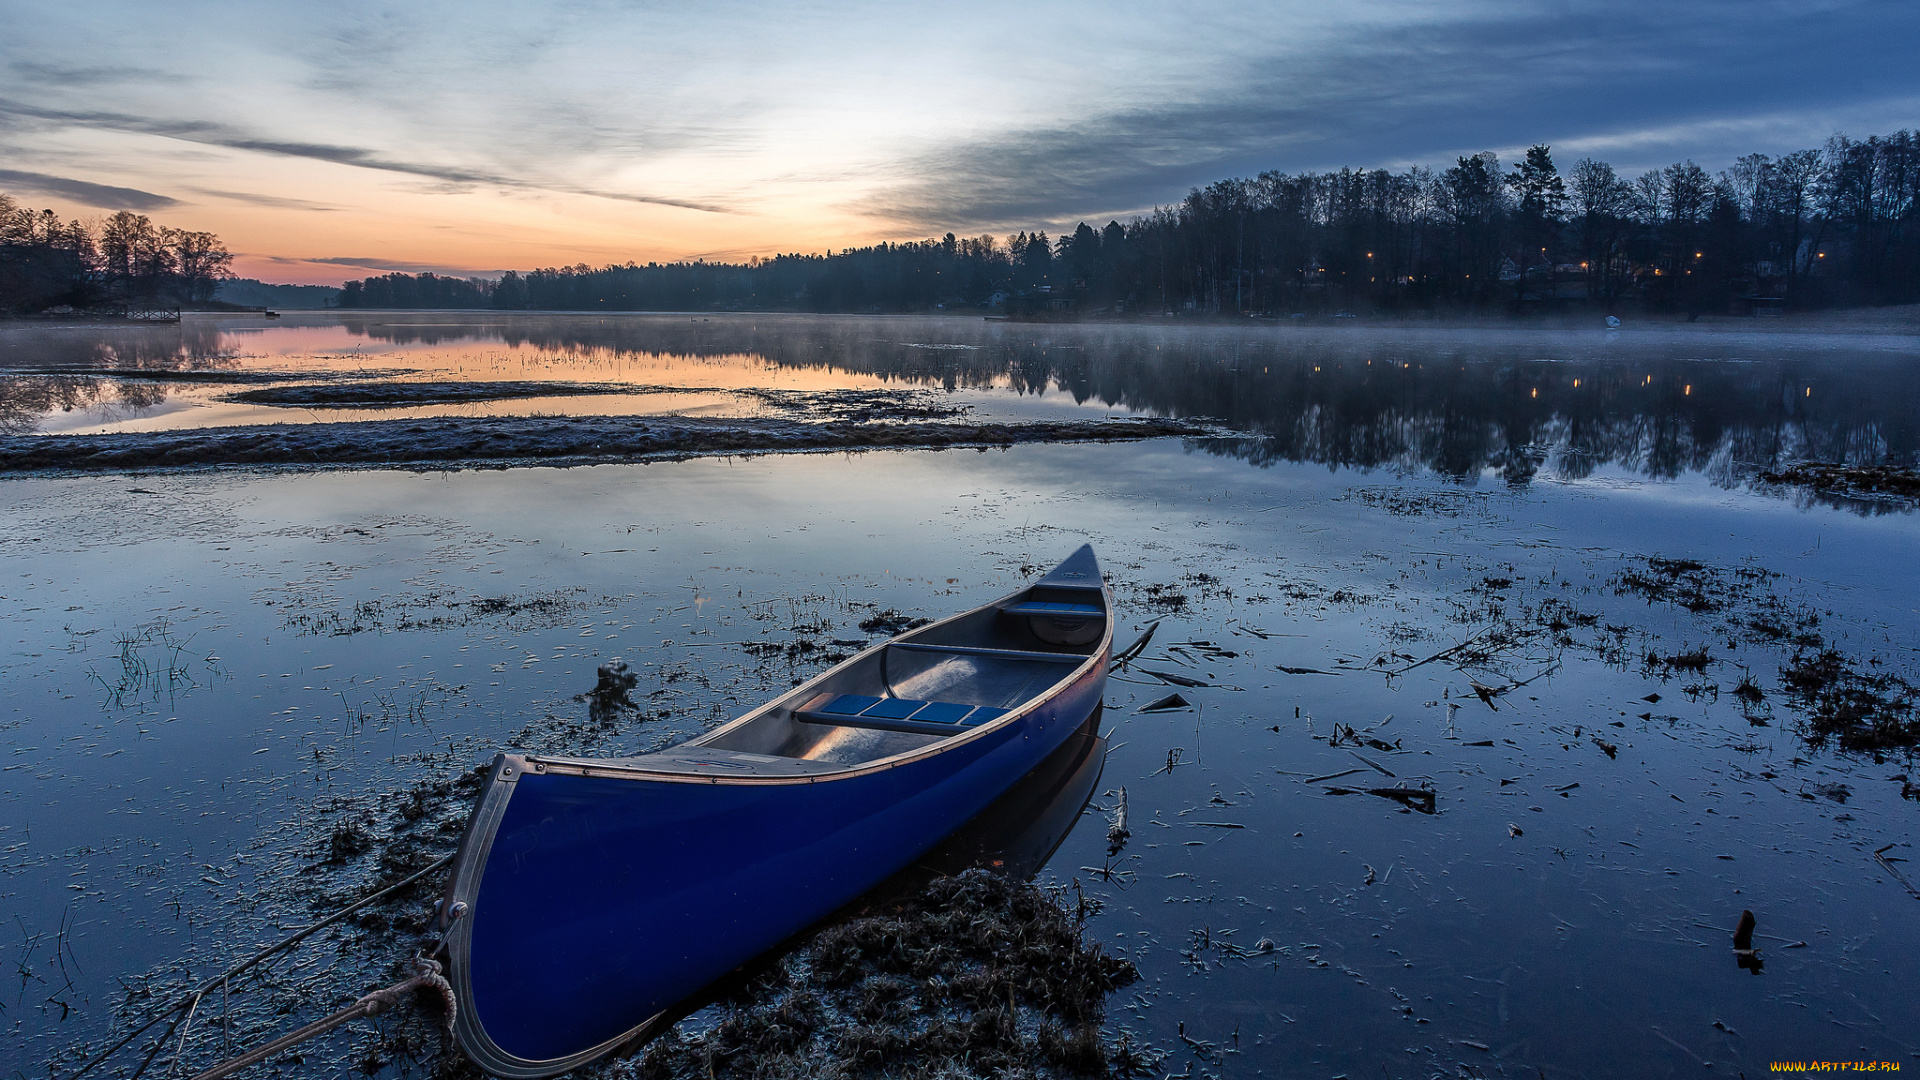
(896, 714)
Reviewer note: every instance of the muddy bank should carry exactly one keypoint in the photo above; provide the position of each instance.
(508, 441)
(858, 405)
(1883, 481)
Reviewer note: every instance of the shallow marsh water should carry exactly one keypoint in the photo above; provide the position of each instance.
(208, 674)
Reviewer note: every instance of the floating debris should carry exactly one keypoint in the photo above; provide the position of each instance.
(1744, 954)
(1444, 653)
(1419, 799)
(1139, 645)
(1344, 733)
(1382, 769)
(1117, 831)
(1170, 703)
(1886, 864)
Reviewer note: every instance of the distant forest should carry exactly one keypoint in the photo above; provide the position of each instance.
(248, 292)
(1835, 226)
(126, 262)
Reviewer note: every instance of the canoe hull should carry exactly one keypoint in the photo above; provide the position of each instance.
(596, 898)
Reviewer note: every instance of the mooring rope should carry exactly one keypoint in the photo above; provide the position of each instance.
(426, 974)
(192, 999)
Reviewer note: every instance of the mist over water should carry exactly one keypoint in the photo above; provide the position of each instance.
(1508, 403)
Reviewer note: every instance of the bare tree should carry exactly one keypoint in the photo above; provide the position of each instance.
(200, 261)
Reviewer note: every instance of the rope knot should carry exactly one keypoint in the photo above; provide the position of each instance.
(426, 973)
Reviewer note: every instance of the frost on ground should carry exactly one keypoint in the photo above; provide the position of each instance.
(508, 441)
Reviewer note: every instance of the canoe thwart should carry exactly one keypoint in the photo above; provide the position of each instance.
(1055, 608)
(1011, 654)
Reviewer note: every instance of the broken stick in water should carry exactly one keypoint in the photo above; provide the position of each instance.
(1419, 799)
(1117, 832)
(1887, 864)
(1130, 652)
(1170, 703)
(1375, 765)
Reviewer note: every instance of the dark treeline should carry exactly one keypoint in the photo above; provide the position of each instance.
(124, 261)
(1835, 226)
(249, 292)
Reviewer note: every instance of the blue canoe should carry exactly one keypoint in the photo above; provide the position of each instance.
(590, 895)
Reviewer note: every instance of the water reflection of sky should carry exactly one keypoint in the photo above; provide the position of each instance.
(137, 810)
(1511, 403)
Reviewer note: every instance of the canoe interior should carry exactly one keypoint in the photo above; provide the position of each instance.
(999, 656)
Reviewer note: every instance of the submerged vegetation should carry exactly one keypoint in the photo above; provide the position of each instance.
(975, 976)
(1869, 481)
(1839, 699)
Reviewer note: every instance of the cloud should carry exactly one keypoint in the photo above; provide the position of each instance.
(211, 134)
(916, 121)
(357, 262)
(103, 196)
(278, 202)
(1626, 77)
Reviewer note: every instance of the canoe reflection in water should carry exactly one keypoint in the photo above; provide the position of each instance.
(591, 897)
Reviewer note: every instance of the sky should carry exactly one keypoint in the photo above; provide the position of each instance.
(331, 141)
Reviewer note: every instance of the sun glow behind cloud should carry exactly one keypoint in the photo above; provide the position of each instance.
(480, 136)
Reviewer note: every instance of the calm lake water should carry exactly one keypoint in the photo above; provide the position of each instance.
(207, 672)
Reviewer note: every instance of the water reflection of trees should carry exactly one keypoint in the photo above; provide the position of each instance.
(1460, 404)
(25, 400)
(188, 345)
(1465, 405)
(52, 369)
